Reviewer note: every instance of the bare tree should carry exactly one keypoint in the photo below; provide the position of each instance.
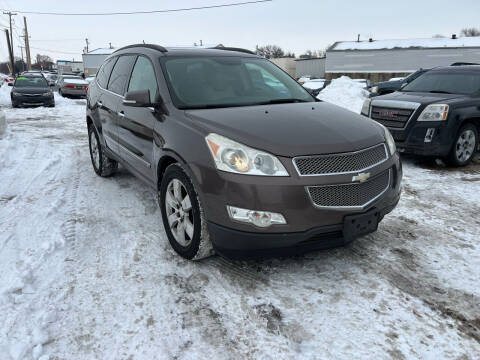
(270, 51)
(470, 32)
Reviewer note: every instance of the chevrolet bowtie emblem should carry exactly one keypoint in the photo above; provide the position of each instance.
(362, 177)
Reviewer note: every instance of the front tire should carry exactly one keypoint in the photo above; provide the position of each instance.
(464, 147)
(183, 216)
(102, 165)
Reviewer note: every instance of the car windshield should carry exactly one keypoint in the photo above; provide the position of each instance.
(23, 81)
(446, 82)
(214, 82)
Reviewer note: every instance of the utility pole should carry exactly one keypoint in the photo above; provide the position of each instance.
(12, 63)
(27, 45)
(86, 40)
(23, 61)
(10, 14)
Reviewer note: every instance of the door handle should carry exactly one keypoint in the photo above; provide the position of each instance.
(99, 103)
(121, 114)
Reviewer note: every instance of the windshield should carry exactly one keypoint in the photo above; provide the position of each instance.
(30, 82)
(446, 82)
(210, 82)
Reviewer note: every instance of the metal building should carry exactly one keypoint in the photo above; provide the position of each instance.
(310, 66)
(94, 59)
(382, 59)
(286, 64)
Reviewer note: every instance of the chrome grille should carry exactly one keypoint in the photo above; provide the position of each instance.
(356, 195)
(391, 117)
(341, 163)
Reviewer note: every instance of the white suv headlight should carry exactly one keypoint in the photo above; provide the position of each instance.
(240, 159)
(366, 107)
(434, 112)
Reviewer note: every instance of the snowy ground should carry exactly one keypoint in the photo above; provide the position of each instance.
(86, 271)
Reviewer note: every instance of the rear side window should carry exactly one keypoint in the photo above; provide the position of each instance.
(120, 74)
(104, 72)
(143, 77)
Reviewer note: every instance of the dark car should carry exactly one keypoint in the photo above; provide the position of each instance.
(241, 166)
(387, 87)
(438, 114)
(31, 90)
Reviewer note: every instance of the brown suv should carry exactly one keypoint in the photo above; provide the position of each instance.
(243, 158)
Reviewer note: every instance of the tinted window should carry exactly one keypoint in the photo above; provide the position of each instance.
(229, 81)
(104, 72)
(120, 74)
(22, 81)
(446, 82)
(143, 77)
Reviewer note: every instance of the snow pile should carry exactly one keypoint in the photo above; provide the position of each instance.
(346, 93)
(3, 124)
(314, 84)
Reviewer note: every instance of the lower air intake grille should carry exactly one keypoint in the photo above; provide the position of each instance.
(350, 195)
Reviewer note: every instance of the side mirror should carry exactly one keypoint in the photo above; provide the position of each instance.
(140, 98)
(10, 84)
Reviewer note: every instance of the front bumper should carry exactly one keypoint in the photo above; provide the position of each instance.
(241, 244)
(412, 139)
(287, 196)
(33, 100)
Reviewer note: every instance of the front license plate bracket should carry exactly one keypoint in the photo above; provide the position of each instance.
(355, 226)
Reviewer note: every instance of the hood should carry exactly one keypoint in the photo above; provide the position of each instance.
(389, 84)
(419, 97)
(291, 129)
(31, 90)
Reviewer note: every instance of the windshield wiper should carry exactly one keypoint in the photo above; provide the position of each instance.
(281, 101)
(439, 92)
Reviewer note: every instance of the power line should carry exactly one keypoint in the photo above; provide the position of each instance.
(57, 51)
(145, 12)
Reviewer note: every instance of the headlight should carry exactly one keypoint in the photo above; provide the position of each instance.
(366, 107)
(434, 112)
(374, 89)
(390, 141)
(237, 158)
(47, 94)
(16, 94)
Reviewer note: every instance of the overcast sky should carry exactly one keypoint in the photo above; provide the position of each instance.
(295, 25)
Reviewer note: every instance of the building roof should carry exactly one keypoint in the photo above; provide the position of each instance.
(407, 44)
(101, 51)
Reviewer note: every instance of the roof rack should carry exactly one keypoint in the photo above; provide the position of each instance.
(226, 48)
(149, 46)
(463, 63)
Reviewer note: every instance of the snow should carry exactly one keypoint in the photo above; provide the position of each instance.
(408, 43)
(75, 81)
(396, 79)
(314, 85)
(86, 271)
(346, 93)
(3, 124)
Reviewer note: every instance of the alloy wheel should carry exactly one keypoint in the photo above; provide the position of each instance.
(465, 145)
(94, 150)
(179, 212)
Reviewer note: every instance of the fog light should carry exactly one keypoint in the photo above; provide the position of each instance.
(429, 135)
(255, 217)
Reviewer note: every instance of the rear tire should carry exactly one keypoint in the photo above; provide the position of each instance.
(183, 216)
(464, 146)
(102, 164)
